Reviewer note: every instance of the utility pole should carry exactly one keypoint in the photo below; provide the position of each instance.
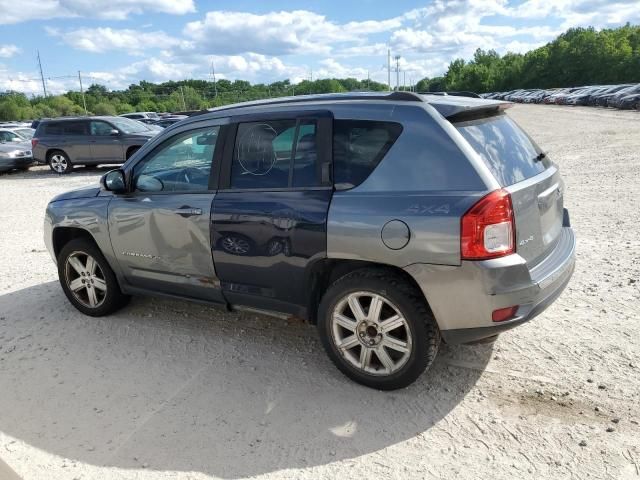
(84, 102)
(389, 68)
(404, 80)
(213, 74)
(397, 59)
(184, 105)
(44, 86)
(311, 75)
(368, 81)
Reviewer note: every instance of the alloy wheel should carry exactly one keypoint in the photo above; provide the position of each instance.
(58, 163)
(85, 279)
(371, 333)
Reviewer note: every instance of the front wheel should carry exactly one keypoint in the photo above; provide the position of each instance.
(87, 279)
(377, 329)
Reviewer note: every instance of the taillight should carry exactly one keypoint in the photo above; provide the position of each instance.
(488, 228)
(34, 142)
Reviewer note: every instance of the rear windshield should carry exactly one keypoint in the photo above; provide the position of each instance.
(508, 152)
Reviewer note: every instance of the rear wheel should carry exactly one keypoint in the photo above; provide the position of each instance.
(87, 279)
(377, 329)
(59, 162)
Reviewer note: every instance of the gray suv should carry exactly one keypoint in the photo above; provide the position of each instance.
(391, 221)
(62, 143)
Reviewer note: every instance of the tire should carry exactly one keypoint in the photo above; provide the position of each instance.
(59, 162)
(418, 334)
(102, 294)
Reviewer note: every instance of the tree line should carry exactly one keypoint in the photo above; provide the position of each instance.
(186, 95)
(580, 56)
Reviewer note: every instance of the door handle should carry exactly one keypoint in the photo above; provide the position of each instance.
(187, 211)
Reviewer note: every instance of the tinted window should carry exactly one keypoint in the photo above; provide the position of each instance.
(100, 128)
(508, 152)
(305, 164)
(53, 128)
(74, 128)
(65, 128)
(358, 147)
(262, 154)
(182, 163)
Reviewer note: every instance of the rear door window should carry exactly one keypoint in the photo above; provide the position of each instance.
(53, 128)
(358, 148)
(510, 154)
(74, 128)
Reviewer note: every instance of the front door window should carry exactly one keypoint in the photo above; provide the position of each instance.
(181, 164)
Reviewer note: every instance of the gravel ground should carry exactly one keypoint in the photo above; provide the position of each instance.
(167, 389)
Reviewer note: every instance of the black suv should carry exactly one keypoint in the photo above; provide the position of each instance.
(64, 142)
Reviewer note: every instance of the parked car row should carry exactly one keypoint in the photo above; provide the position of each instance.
(625, 96)
(153, 118)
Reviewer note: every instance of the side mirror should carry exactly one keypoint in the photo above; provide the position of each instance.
(147, 183)
(114, 132)
(113, 181)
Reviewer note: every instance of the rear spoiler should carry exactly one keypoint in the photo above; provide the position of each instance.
(456, 109)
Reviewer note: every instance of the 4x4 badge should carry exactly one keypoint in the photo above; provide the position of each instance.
(525, 241)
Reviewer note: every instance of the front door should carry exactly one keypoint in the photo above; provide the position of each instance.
(270, 219)
(160, 232)
(106, 147)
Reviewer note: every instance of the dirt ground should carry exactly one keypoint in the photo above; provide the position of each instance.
(167, 389)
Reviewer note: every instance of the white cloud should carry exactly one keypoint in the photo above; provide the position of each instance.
(25, 10)
(8, 51)
(99, 40)
(278, 33)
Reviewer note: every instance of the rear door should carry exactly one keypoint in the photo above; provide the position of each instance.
(270, 214)
(160, 231)
(532, 179)
(74, 140)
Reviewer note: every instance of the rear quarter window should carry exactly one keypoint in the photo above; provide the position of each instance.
(509, 153)
(358, 148)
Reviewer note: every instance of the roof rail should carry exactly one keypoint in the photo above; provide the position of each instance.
(393, 96)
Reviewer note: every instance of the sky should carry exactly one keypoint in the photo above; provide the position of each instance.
(119, 42)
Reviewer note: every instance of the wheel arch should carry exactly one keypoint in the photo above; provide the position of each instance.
(51, 150)
(63, 235)
(324, 272)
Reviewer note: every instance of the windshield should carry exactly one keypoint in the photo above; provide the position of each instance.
(127, 125)
(506, 149)
(7, 136)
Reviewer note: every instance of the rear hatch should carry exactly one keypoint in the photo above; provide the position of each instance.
(522, 169)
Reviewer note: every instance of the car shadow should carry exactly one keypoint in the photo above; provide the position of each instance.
(174, 386)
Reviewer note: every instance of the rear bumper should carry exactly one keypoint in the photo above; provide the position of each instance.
(463, 298)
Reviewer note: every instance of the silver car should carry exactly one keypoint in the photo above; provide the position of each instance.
(15, 151)
(62, 143)
(391, 221)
